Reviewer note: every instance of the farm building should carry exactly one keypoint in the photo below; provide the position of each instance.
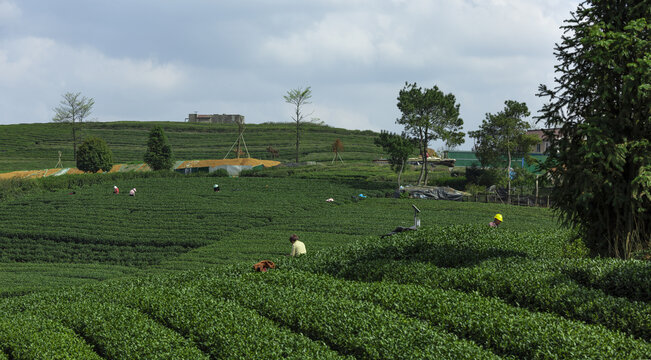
(542, 146)
(216, 118)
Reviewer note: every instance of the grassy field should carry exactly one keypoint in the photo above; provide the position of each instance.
(36, 146)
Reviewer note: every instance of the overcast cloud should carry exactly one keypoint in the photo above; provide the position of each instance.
(162, 59)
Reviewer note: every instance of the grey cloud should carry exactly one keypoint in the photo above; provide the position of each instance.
(153, 60)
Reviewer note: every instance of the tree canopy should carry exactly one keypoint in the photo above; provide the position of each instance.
(428, 115)
(159, 153)
(73, 109)
(503, 136)
(94, 155)
(601, 108)
(299, 98)
(398, 147)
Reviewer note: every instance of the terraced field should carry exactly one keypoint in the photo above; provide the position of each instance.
(36, 146)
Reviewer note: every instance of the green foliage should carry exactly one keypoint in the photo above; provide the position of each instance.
(499, 327)
(503, 136)
(219, 327)
(159, 153)
(398, 147)
(600, 106)
(25, 336)
(484, 176)
(114, 330)
(220, 173)
(475, 189)
(526, 270)
(455, 182)
(94, 155)
(357, 328)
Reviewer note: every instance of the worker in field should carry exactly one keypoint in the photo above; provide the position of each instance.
(298, 248)
(215, 188)
(496, 221)
(116, 191)
(132, 192)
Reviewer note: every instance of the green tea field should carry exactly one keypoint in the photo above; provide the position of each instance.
(168, 274)
(36, 146)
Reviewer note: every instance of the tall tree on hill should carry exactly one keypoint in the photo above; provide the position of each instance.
(428, 115)
(601, 106)
(73, 109)
(398, 147)
(159, 153)
(94, 155)
(503, 136)
(298, 97)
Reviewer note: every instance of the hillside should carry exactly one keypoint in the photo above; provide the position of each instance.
(167, 274)
(36, 146)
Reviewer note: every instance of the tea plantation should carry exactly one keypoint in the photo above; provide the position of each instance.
(167, 274)
(36, 146)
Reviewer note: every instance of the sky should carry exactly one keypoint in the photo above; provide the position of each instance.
(160, 60)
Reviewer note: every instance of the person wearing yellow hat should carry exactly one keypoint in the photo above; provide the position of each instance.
(496, 221)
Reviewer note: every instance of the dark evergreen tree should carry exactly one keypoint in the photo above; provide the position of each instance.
(159, 153)
(601, 107)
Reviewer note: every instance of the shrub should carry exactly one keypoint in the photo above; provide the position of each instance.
(219, 173)
(475, 189)
(450, 181)
(94, 155)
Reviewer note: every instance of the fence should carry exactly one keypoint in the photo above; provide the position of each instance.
(522, 200)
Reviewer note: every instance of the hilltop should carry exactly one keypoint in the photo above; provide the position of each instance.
(36, 146)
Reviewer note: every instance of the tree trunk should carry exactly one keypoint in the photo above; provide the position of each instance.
(298, 123)
(508, 174)
(74, 142)
(422, 168)
(425, 154)
(402, 166)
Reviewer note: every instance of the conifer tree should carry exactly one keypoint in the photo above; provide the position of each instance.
(159, 153)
